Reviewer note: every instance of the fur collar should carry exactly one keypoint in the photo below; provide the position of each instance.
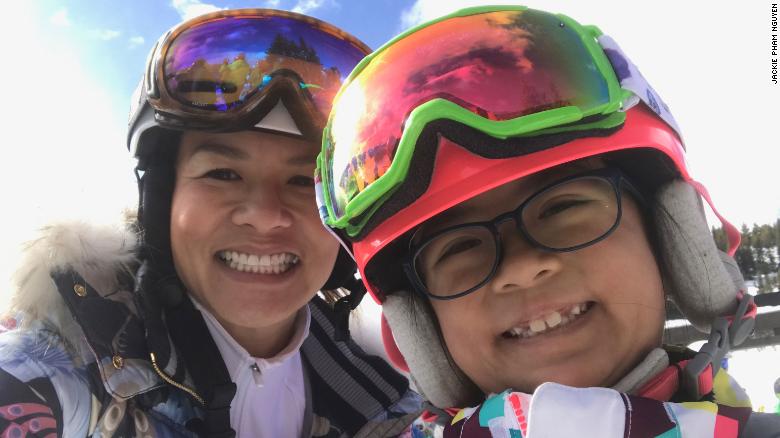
(99, 253)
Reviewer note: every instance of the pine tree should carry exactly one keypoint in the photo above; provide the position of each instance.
(777, 233)
(744, 255)
(285, 47)
(721, 240)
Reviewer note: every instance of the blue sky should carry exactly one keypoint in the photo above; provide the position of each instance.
(124, 32)
(82, 59)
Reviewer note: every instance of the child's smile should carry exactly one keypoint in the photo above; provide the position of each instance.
(547, 322)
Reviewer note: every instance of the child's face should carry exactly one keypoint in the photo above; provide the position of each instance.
(616, 281)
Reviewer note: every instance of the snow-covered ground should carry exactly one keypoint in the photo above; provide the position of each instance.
(756, 370)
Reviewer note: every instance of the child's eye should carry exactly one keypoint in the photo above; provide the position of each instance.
(461, 246)
(560, 207)
(222, 175)
(303, 181)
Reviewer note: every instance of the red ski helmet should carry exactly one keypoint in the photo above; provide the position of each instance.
(463, 104)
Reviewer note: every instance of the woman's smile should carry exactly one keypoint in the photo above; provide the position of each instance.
(266, 264)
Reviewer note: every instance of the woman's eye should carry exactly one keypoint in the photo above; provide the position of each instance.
(561, 206)
(304, 181)
(222, 175)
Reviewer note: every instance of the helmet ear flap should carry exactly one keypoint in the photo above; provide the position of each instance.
(701, 280)
(433, 371)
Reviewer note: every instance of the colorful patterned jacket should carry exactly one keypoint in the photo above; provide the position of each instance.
(555, 410)
(75, 358)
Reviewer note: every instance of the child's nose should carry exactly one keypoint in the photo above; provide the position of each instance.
(523, 266)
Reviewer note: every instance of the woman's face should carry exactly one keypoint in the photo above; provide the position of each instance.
(595, 312)
(246, 236)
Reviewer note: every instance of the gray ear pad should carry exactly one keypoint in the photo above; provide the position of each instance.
(702, 280)
(433, 370)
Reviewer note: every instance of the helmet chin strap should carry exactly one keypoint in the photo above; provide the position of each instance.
(655, 378)
(726, 331)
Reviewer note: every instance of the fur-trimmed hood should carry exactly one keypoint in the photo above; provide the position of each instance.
(77, 280)
(101, 254)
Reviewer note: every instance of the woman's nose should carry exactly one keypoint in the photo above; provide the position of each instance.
(262, 208)
(523, 265)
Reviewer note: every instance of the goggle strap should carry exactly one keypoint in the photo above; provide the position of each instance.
(347, 247)
(630, 78)
(732, 233)
(320, 196)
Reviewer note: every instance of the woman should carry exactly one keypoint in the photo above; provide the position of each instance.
(201, 318)
(516, 197)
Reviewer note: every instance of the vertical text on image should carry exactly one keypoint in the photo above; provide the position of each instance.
(774, 43)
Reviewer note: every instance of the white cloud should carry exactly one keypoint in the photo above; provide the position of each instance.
(70, 160)
(306, 6)
(273, 4)
(60, 18)
(720, 92)
(104, 34)
(192, 8)
(136, 41)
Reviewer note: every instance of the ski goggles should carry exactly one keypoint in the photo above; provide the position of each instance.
(505, 71)
(221, 67)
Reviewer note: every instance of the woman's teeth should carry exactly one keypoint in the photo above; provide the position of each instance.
(259, 264)
(552, 320)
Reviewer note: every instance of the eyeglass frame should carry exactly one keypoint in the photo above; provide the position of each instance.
(617, 179)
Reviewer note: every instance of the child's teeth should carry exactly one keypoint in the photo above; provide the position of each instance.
(265, 260)
(549, 321)
(537, 326)
(553, 319)
(252, 260)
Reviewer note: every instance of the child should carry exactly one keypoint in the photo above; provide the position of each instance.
(517, 198)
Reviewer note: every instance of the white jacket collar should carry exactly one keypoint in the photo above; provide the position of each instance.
(237, 358)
